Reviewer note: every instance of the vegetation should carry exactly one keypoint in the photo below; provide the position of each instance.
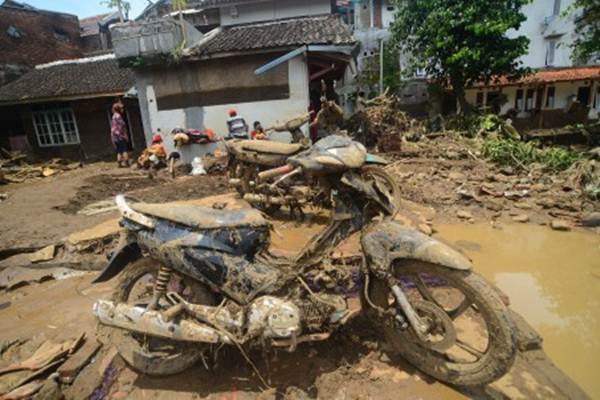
(179, 6)
(587, 27)
(460, 42)
(520, 155)
(123, 6)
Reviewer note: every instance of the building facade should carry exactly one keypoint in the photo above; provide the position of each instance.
(62, 109)
(560, 91)
(302, 44)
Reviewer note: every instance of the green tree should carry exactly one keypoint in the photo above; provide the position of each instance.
(587, 27)
(459, 42)
(123, 6)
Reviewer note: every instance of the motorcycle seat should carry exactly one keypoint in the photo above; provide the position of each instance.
(271, 147)
(202, 217)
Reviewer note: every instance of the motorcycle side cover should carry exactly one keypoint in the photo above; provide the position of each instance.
(389, 241)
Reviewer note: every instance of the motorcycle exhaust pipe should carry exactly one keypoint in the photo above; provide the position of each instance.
(271, 173)
(153, 323)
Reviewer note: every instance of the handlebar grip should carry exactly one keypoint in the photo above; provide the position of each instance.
(271, 173)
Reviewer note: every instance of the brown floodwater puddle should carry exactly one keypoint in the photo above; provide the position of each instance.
(552, 279)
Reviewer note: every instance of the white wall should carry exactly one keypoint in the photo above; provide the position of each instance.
(214, 117)
(387, 13)
(542, 26)
(275, 9)
(562, 93)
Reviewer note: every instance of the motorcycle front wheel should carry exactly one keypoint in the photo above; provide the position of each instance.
(145, 354)
(470, 336)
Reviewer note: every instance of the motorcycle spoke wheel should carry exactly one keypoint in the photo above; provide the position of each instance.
(146, 354)
(469, 340)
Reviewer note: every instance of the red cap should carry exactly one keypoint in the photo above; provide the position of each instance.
(232, 112)
(156, 138)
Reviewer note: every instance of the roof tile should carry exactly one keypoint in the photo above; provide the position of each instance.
(69, 79)
(324, 29)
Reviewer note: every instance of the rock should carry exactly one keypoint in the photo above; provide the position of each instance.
(46, 172)
(591, 219)
(426, 229)
(560, 225)
(521, 218)
(464, 214)
(456, 176)
(538, 187)
(515, 195)
(545, 203)
(523, 205)
(500, 178)
(45, 254)
(494, 205)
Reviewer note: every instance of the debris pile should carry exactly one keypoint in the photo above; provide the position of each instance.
(448, 174)
(382, 124)
(52, 364)
(14, 167)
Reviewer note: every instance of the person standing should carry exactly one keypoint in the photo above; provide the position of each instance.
(119, 135)
(237, 126)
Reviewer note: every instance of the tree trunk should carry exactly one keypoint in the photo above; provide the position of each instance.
(120, 7)
(458, 86)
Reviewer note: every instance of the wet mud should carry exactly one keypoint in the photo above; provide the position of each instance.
(552, 279)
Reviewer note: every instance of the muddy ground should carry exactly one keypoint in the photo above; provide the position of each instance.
(40, 212)
(441, 182)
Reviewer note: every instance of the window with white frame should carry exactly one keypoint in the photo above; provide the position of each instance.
(55, 127)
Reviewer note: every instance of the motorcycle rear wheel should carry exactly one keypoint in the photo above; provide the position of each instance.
(167, 357)
(469, 357)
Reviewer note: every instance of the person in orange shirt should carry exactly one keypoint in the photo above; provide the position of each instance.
(259, 132)
(155, 155)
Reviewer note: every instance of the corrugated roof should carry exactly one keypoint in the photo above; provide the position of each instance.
(284, 33)
(552, 75)
(69, 79)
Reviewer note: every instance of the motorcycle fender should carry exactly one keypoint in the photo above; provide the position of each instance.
(373, 159)
(125, 254)
(389, 241)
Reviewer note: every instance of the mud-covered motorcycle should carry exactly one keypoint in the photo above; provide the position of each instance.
(252, 165)
(191, 279)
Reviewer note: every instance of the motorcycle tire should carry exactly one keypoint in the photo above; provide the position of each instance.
(500, 351)
(128, 345)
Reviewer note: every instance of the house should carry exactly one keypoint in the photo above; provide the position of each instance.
(62, 109)
(560, 91)
(30, 36)
(266, 59)
(370, 21)
(95, 33)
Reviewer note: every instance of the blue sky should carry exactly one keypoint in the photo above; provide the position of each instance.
(84, 8)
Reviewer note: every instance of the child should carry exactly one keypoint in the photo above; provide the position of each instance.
(155, 155)
(258, 133)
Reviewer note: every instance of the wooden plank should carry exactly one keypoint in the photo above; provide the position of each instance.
(69, 370)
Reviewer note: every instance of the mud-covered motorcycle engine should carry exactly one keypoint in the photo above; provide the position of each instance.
(272, 317)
